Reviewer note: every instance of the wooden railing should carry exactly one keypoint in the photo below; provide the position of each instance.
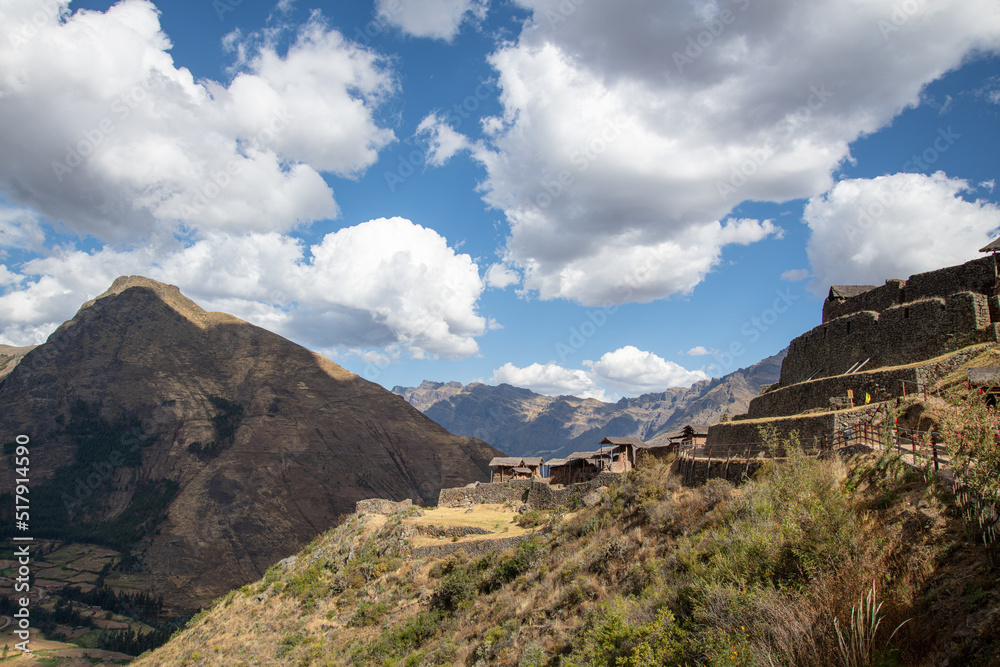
(916, 447)
(922, 449)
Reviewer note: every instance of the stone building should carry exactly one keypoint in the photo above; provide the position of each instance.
(875, 343)
(576, 468)
(506, 468)
(619, 454)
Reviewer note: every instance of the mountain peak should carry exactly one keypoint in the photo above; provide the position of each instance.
(168, 294)
(222, 419)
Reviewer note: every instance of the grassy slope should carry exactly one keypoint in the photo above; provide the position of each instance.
(654, 574)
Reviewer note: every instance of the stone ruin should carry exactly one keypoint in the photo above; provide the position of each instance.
(875, 343)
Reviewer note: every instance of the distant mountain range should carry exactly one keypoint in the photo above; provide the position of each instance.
(202, 447)
(520, 422)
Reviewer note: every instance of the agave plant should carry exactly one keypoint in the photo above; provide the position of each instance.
(857, 648)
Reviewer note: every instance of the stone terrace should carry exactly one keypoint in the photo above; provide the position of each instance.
(875, 341)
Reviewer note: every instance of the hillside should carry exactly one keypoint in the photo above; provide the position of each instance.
(10, 357)
(521, 422)
(204, 448)
(653, 574)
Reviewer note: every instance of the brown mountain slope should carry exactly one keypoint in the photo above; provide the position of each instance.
(10, 356)
(289, 440)
(521, 422)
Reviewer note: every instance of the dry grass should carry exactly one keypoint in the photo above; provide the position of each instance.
(605, 576)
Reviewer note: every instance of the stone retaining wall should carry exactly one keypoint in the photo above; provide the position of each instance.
(450, 531)
(831, 393)
(538, 495)
(480, 493)
(474, 549)
(977, 276)
(696, 472)
(544, 497)
(903, 334)
(812, 429)
(380, 506)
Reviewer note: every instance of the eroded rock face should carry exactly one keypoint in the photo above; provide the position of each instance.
(268, 442)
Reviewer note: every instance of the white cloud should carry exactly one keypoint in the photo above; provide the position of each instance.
(631, 371)
(627, 371)
(621, 137)
(550, 379)
(19, 229)
(383, 283)
(698, 351)
(104, 132)
(795, 275)
(443, 141)
(437, 19)
(501, 276)
(629, 267)
(865, 231)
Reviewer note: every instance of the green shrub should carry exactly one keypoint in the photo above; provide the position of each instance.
(530, 519)
(510, 567)
(457, 588)
(784, 529)
(613, 638)
(368, 613)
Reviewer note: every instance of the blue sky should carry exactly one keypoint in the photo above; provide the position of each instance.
(576, 196)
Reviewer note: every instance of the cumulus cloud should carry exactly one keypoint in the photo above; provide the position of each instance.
(631, 371)
(107, 135)
(550, 379)
(635, 127)
(382, 284)
(698, 351)
(436, 19)
(19, 229)
(628, 371)
(864, 231)
(795, 275)
(501, 276)
(443, 141)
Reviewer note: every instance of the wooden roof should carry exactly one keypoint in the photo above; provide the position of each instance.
(992, 246)
(516, 462)
(847, 291)
(623, 441)
(656, 444)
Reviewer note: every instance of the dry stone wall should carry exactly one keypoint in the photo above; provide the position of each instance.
(812, 429)
(538, 495)
(831, 393)
(903, 334)
(515, 491)
(695, 472)
(901, 322)
(876, 300)
(473, 549)
(380, 506)
(977, 276)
